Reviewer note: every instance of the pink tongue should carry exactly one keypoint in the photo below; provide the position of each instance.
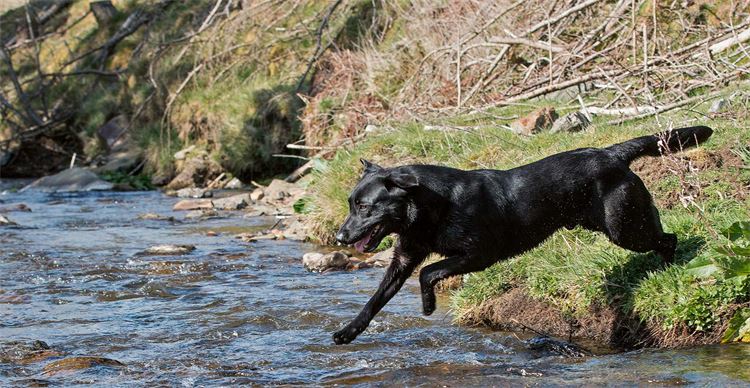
(360, 245)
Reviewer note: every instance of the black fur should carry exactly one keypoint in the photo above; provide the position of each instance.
(477, 218)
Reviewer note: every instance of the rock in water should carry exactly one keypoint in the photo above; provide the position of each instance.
(551, 345)
(5, 221)
(194, 193)
(193, 204)
(25, 352)
(319, 262)
(381, 259)
(235, 202)
(169, 250)
(72, 179)
(71, 364)
(234, 184)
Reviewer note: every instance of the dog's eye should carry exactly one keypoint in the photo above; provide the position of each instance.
(362, 207)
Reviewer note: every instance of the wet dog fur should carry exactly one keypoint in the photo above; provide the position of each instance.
(479, 217)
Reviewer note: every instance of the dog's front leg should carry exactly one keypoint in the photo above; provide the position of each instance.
(398, 271)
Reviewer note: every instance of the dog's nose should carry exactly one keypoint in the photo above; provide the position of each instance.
(340, 237)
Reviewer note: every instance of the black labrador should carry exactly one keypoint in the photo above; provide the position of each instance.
(479, 217)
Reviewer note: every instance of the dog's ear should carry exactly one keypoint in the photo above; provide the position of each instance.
(369, 166)
(401, 180)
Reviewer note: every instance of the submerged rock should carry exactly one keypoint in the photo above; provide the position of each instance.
(551, 345)
(26, 352)
(21, 207)
(319, 262)
(155, 217)
(70, 180)
(169, 250)
(71, 364)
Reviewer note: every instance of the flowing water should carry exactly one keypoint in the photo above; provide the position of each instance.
(228, 313)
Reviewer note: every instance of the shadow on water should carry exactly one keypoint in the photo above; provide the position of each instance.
(233, 313)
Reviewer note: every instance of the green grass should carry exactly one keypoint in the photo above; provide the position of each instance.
(574, 270)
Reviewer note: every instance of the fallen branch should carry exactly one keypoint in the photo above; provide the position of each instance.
(666, 108)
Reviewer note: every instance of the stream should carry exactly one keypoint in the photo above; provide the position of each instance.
(72, 275)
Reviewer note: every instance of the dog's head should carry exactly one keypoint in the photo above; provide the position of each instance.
(377, 206)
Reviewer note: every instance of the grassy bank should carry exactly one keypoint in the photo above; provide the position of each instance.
(578, 282)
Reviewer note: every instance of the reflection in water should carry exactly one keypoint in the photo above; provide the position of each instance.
(232, 313)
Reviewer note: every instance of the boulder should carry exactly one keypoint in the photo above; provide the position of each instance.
(534, 122)
(381, 259)
(319, 262)
(191, 192)
(571, 122)
(72, 179)
(193, 204)
(235, 202)
(169, 249)
(125, 159)
(197, 171)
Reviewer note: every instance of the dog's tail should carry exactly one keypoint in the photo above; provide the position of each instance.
(655, 145)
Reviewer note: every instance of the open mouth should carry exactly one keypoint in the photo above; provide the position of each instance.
(371, 239)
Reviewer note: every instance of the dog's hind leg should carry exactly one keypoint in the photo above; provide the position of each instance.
(632, 222)
(451, 266)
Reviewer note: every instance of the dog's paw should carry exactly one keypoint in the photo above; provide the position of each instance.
(345, 335)
(428, 303)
